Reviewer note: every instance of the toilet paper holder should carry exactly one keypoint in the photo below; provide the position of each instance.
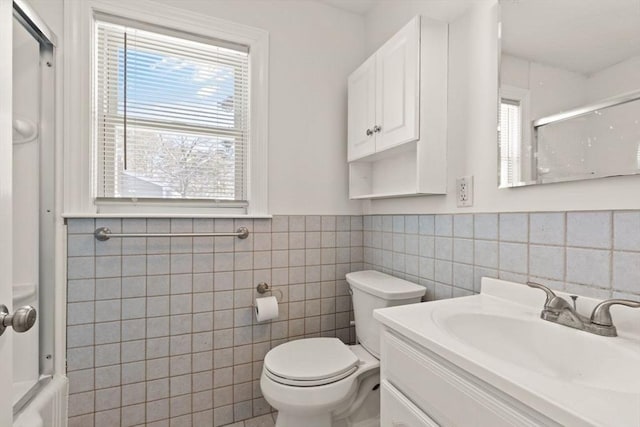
(264, 287)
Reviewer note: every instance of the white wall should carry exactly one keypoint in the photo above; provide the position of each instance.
(387, 17)
(552, 89)
(313, 48)
(473, 83)
(617, 79)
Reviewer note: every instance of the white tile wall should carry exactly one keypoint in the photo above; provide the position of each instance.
(160, 331)
(590, 253)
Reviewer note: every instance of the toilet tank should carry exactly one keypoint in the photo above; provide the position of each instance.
(371, 290)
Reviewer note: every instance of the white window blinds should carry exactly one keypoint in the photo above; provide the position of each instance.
(510, 141)
(171, 115)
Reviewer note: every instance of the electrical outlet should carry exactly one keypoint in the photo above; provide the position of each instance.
(464, 191)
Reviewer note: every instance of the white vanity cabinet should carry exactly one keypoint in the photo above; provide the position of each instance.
(419, 388)
(490, 360)
(397, 105)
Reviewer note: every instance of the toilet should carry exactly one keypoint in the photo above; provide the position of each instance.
(322, 382)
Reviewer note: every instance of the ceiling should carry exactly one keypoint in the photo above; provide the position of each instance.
(584, 36)
(360, 7)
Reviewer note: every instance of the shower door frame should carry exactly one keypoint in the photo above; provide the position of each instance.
(6, 197)
(47, 297)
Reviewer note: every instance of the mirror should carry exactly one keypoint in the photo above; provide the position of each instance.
(569, 90)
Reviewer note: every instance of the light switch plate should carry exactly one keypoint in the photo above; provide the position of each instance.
(464, 191)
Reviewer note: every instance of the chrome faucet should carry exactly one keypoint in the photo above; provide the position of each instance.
(558, 310)
(601, 316)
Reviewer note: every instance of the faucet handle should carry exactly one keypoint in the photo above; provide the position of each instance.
(550, 294)
(601, 314)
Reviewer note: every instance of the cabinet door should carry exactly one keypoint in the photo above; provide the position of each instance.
(396, 410)
(398, 87)
(361, 110)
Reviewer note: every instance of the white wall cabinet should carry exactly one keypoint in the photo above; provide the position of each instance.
(397, 83)
(383, 96)
(397, 115)
(362, 110)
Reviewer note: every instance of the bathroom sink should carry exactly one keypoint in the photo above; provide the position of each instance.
(499, 339)
(543, 348)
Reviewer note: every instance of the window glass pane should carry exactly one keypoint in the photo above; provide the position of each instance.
(167, 164)
(192, 90)
(510, 142)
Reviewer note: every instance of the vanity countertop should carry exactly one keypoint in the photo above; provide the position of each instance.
(571, 376)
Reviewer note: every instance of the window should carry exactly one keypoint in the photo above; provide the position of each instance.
(233, 134)
(171, 114)
(510, 141)
(516, 152)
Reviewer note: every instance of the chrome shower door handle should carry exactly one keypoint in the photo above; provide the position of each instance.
(369, 132)
(21, 320)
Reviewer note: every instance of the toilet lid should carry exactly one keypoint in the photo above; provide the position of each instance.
(310, 361)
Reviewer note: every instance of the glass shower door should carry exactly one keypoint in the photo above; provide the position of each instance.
(26, 159)
(32, 176)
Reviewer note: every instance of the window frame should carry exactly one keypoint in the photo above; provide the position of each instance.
(79, 154)
(112, 118)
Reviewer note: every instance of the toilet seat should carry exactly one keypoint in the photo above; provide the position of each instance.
(310, 362)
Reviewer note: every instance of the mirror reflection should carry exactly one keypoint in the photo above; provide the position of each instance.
(569, 90)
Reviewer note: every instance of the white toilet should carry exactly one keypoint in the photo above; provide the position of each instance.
(322, 382)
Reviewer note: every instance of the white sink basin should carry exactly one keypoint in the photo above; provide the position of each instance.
(577, 378)
(556, 351)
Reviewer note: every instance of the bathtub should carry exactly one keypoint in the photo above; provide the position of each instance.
(48, 408)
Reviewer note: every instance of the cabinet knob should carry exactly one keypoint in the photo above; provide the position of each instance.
(369, 132)
(377, 128)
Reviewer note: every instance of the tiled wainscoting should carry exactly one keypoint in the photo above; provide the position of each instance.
(160, 331)
(589, 253)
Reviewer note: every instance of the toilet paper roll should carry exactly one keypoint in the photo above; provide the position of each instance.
(266, 308)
